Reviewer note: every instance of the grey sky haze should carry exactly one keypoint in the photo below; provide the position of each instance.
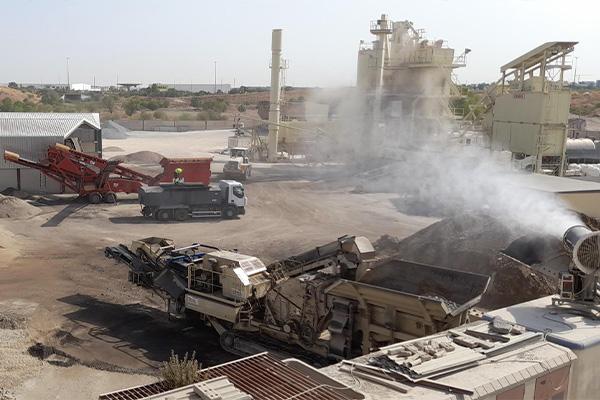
(179, 40)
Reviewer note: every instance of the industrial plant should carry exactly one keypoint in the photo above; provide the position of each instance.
(406, 237)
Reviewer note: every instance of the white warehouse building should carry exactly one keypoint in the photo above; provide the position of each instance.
(30, 135)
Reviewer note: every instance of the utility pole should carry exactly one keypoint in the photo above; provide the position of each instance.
(215, 77)
(68, 78)
(575, 72)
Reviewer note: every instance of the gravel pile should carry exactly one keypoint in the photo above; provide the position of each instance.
(112, 148)
(140, 157)
(16, 365)
(13, 207)
(473, 243)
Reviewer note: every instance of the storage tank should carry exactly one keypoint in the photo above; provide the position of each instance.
(581, 144)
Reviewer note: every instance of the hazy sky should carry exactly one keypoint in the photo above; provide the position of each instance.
(177, 40)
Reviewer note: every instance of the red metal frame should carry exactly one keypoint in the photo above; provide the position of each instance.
(85, 174)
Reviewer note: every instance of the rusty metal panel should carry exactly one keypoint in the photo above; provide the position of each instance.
(516, 393)
(552, 386)
(261, 376)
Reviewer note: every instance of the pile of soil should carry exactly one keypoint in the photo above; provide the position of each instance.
(473, 243)
(13, 207)
(112, 148)
(140, 157)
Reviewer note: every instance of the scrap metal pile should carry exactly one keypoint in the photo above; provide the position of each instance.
(329, 301)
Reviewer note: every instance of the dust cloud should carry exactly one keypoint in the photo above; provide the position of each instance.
(414, 153)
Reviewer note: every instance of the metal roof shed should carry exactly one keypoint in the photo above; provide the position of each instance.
(30, 135)
(578, 195)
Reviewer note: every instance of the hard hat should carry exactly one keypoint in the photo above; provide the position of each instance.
(178, 170)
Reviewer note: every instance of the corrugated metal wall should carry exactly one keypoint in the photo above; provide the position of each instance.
(35, 148)
(32, 148)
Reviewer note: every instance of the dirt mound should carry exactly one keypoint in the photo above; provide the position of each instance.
(473, 243)
(13, 207)
(468, 242)
(17, 95)
(514, 283)
(140, 157)
(112, 148)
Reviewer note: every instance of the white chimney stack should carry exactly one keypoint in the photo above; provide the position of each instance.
(275, 95)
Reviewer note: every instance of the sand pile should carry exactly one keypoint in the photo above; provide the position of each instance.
(139, 157)
(13, 207)
(112, 148)
(473, 243)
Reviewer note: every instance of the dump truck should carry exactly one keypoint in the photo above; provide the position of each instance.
(181, 201)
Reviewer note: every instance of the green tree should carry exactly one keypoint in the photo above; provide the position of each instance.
(154, 89)
(29, 106)
(217, 105)
(131, 106)
(13, 85)
(196, 102)
(18, 106)
(154, 104)
(50, 97)
(109, 103)
(6, 105)
(241, 108)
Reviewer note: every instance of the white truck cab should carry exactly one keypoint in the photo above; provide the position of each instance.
(235, 194)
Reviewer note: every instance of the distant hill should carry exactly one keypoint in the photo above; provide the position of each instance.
(17, 95)
(586, 103)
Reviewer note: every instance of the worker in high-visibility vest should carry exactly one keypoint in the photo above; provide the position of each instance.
(178, 176)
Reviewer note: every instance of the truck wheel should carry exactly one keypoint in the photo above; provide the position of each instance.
(229, 212)
(110, 197)
(147, 212)
(163, 215)
(181, 214)
(94, 197)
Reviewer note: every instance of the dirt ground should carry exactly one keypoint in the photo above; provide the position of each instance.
(115, 334)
